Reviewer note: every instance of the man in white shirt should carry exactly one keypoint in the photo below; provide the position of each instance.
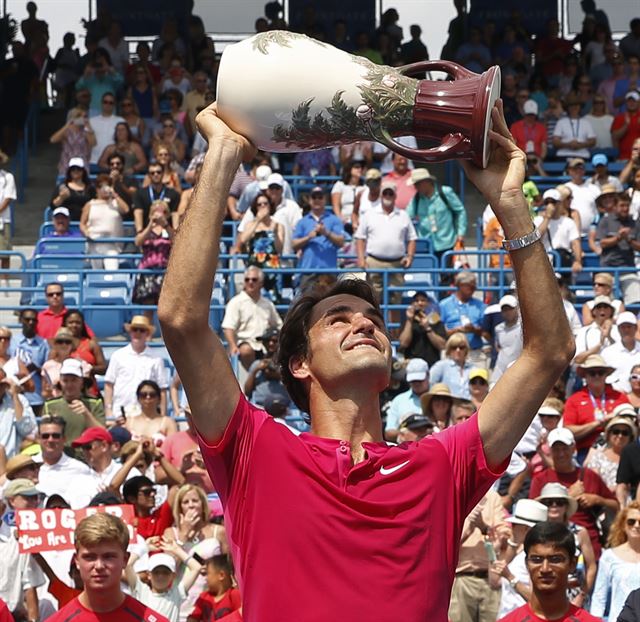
(247, 317)
(129, 366)
(386, 239)
(559, 232)
(104, 126)
(508, 336)
(58, 472)
(624, 354)
(573, 136)
(95, 444)
(584, 194)
(7, 195)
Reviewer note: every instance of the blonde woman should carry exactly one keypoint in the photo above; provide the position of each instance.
(454, 369)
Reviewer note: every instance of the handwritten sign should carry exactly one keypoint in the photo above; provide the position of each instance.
(53, 530)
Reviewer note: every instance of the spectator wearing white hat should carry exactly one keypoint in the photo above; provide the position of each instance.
(263, 172)
(584, 485)
(510, 571)
(602, 332)
(623, 354)
(508, 336)
(407, 403)
(437, 211)
(559, 232)
(529, 133)
(602, 286)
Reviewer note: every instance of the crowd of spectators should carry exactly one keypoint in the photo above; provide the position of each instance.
(81, 428)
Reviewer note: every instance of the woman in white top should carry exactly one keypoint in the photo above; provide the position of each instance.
(602, 286)
(102, 218)
(634, 193)
(619, 568)
(343, 193)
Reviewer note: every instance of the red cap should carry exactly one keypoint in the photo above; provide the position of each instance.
(92, 434)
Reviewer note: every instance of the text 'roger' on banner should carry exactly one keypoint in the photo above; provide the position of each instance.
(52, 530)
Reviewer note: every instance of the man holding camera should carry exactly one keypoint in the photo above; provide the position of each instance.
(423, 333)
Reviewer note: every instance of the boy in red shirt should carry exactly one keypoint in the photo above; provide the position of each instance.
(101, 544)
(550, 550)
(221, 599)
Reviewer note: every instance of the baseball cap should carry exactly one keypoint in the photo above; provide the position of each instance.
(21, 486)
(574, 162)
(270, 333)
(120, 435)
(389, 185)
(561, 435)
(417, 369)
(599, 160)
(626, 317)
(317, 189)
(602, 300)
(530, 107)
(61, 211)
(552, 195)
(632, 95)
(415, 421)
(275, 179)
(479, 372)
(162, 560)
(509, 301)
(549, 411)
(71, 367)
(78, 162)
(95, 433)
(372, 174)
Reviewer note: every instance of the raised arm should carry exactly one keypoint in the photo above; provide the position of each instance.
(548, 344)
(183, 308)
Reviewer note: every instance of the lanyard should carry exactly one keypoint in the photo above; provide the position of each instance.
(576, 131)
(599, 412)
(152, 198)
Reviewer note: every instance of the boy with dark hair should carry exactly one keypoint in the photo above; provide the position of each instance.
(101, 543)
(221, 598)
(140, 491)
(550, 550)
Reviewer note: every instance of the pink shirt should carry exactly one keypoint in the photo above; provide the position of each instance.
(315, 538)
(404, 191)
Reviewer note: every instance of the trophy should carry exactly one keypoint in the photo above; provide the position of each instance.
(287, 92)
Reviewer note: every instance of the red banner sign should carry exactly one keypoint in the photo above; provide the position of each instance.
(53, 530)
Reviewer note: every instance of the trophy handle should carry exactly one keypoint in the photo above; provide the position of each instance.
(453, 142)
(457, 72)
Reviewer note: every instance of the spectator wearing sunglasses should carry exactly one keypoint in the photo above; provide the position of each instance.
(587, 411)
(58, 471)
(104, 126)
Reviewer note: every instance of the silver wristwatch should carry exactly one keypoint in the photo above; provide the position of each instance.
(523, 242)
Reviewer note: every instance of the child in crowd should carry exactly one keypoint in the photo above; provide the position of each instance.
(165, 595)
(221, 599)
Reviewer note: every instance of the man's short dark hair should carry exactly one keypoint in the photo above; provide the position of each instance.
(28, 310)
(48, 285)
(294, 340)
(59, 421)
(132, 486)
(555, 534)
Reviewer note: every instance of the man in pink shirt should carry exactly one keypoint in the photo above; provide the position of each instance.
(360, 529)
(400, 176)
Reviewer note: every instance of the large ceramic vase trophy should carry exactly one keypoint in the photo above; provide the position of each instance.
(287, 92)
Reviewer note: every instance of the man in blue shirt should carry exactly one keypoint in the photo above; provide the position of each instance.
(33, 351)
(319, 235)
(462, 313)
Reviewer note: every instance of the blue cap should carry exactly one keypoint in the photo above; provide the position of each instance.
(164, 106)
(599, 160)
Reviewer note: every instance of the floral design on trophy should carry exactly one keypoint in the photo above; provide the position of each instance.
(279, 37)
(387, 106)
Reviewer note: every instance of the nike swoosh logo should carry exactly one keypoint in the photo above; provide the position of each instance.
(388, 471)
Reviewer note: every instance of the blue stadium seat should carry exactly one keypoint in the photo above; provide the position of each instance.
(66, 279)
(64, 263)
(105, 321)
(108, 279)
(216, 315)
(421, 280)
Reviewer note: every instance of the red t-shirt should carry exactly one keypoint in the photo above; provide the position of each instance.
(49, 323)
(131, 610)
(5, 614)
(525, 614)
(156, 522)
(207, 609)
(344, 536)
(527, 136)
(579, 409)
(404, 191)
(629, 137)
(592, 483)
